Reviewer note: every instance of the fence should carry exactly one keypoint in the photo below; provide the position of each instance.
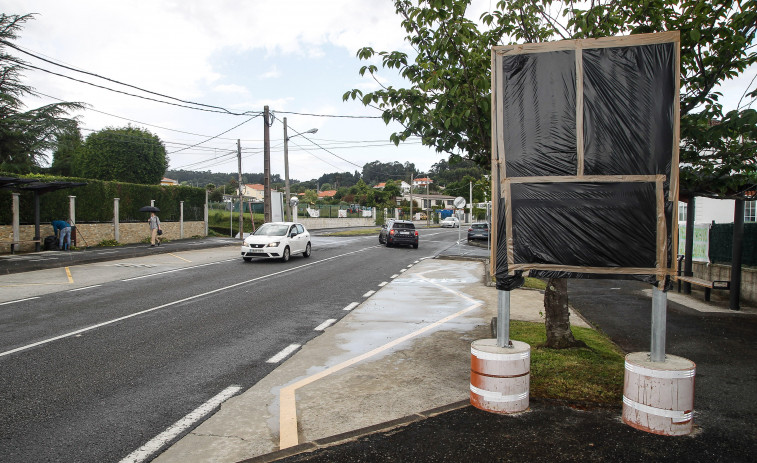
(721, 244)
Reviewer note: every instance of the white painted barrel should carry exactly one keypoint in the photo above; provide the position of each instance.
(500, 377)
(658, 397)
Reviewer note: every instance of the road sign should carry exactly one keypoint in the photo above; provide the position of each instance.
(459, 202)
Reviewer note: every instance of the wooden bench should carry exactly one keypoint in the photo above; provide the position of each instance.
(706, 284)
(14, 243)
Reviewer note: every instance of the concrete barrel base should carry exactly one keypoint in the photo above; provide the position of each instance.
(500, 377)
(658, 397)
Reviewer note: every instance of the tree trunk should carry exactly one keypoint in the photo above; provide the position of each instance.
(557, 317)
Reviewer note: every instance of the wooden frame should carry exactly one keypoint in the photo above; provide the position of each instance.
(501, 183)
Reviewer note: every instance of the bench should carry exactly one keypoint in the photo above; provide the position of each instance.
(706, 284)
(14, 243)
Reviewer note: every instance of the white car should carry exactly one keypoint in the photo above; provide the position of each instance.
(277, 240)
(450, 222)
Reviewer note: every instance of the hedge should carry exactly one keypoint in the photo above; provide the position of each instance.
(94, 201)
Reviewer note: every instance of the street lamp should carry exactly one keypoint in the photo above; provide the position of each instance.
(286, 164)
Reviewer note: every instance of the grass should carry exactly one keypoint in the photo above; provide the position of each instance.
(356, 232)
(535, 283)
(587, 374)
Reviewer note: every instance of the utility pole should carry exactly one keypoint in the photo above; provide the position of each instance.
(286, 173)
(266, 167)
(241, 219)
(428, 205)
(411, 195)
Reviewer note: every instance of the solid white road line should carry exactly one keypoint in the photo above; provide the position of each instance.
(19, 300)
(369, 293)
(383, 283)
(179, 269)
(286, 352)
(86, 287)
(325, 324)
(351, 306)
(168, 304)
(147, 450)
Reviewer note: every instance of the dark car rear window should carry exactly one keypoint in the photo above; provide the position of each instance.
(482, 226)
(404, 226)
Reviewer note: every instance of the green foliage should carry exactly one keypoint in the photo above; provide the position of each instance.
(377, 172)
(108, 243)
(25, 136)
(310, 197)
(128, 154)
(94, 201)
(447, 100)
(66, 146)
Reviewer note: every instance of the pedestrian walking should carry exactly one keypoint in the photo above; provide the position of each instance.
(155, 230)
(62, 230)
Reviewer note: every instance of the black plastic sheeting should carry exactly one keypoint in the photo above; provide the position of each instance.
(628, 116)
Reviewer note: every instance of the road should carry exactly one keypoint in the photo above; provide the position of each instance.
(99, 359)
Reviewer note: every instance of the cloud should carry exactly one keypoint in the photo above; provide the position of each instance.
(272, 74)
(232, 89)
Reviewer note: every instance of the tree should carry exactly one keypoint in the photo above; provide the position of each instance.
(447, 101)
(67, 144)
(310, 197)
(128, 154)
(25, 136)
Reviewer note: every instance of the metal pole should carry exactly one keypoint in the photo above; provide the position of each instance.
(181, 219)
(15, 206)
(286, 173)
(411, 195)
(470, 196)
(738, 239)
(659, 320)
(239, 162)
(689, 245)
(503, 319)
(116, 224)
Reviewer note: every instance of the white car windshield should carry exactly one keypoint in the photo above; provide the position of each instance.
(271, 229)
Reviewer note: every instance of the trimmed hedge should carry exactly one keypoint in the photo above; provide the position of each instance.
(94, 201)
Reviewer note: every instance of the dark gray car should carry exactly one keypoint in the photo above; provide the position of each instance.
(399, 232)
(478, 231)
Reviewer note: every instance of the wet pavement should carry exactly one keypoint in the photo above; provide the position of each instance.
(390, 381)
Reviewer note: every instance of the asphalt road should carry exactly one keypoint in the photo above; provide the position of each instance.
(107, 356)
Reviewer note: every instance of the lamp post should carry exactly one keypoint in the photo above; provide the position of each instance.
(286, 164)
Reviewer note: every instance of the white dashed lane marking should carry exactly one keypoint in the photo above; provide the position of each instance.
(286, 352)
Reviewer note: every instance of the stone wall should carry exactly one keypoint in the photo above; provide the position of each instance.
(316, 223)
(714, 272)
(90, 234)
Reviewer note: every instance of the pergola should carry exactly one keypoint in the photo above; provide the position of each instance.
(39, 188)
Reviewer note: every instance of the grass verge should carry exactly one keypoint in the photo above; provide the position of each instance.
(355, 232)
(587, 374)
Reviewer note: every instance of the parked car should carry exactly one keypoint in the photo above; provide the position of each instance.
(450, 222)
(478, 231)
(277, 240)
(399, 232)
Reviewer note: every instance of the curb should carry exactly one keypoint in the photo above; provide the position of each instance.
(356, 434)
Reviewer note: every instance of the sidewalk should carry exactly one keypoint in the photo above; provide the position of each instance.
(403, 351)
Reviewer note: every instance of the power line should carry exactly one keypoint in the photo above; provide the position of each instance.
(246, 113)
(226, 131)
(108, 79)
(329, 115)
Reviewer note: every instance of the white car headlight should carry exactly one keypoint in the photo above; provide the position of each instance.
(275, 244)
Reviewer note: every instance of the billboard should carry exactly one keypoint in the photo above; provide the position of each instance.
(585, 139)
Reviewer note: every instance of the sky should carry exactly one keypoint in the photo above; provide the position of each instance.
(298, 57)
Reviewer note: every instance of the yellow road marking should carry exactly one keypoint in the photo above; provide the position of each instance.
(288, 402)
(68, 273)
(179, 257)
